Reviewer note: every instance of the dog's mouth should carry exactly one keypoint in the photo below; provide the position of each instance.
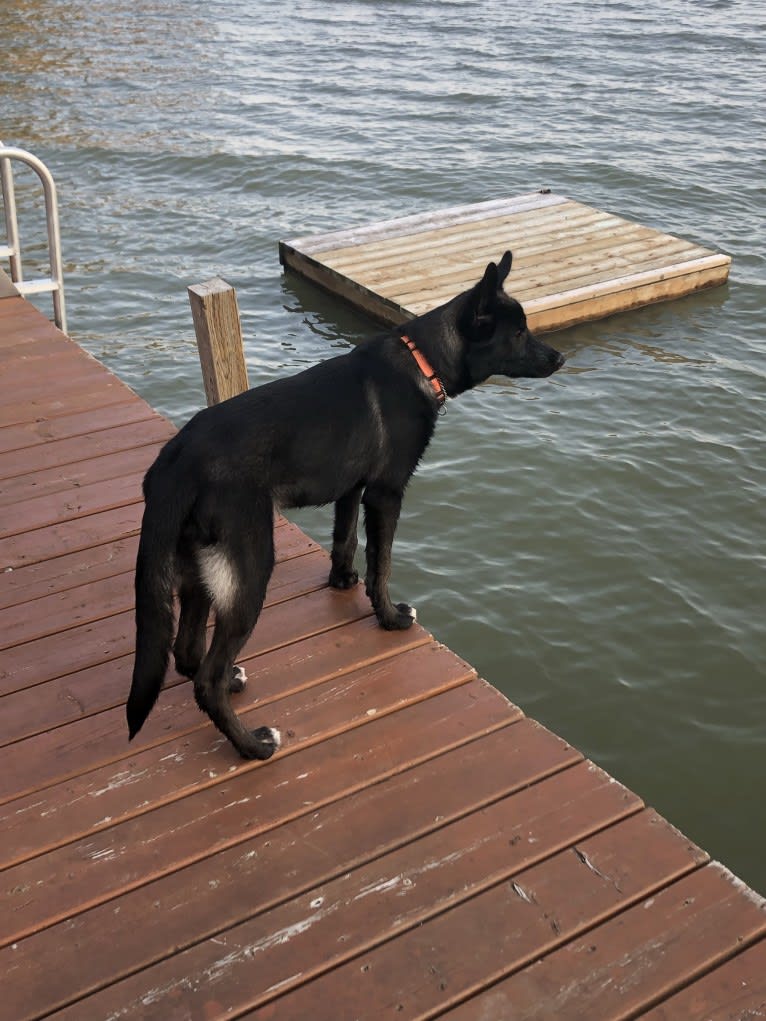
(553, 364)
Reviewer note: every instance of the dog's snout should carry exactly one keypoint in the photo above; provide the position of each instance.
(558, 361)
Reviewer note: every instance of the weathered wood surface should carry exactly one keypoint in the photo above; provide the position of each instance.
(571, 262)
(7, 287)
(219, 339)
(419, 848)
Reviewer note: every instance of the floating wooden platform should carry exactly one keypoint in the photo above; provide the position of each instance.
(571, 262)
(419, 848)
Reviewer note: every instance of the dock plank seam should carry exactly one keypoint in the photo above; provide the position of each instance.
(80, 829)
(314, 827)
(41, 615)
(166, 868)
(518, 880)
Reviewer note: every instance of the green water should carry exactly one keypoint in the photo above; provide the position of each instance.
(594, 544)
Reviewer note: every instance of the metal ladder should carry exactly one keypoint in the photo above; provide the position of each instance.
(12, 250)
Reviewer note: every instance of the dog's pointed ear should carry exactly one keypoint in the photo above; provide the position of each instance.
(478, 317)
(504, 268)
(486, 297)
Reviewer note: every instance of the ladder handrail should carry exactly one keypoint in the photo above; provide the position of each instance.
(56, 283)
(11, 224)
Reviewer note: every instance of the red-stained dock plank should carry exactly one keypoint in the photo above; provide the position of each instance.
(624, 966)
(417, 849)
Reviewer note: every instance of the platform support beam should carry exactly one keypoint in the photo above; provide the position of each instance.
(219, 339)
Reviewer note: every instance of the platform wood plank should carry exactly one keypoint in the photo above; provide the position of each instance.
(572, 262)
(418, 847)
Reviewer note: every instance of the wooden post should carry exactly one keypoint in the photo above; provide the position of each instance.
(219, 339)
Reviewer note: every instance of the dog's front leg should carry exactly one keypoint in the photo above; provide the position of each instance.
(344, 540)
(381, 514)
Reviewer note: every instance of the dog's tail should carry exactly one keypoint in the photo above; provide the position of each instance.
(169, 497)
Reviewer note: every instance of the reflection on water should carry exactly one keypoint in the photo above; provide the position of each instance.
(594, 543)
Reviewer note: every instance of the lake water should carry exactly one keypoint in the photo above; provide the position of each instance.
(594, 544)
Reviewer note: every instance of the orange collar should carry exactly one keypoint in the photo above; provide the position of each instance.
(426, 368)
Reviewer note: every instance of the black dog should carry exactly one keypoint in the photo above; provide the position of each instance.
(351, 429)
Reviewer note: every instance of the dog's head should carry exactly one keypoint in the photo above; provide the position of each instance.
(494, 329)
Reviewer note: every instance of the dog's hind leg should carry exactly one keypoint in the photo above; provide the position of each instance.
(195, 600)
(344, 540)
(381, 514)
(238, 571)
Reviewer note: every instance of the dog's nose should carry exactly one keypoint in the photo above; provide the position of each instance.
(560, 359)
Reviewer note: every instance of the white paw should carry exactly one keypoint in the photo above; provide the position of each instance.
(239, 675)
(276, 736)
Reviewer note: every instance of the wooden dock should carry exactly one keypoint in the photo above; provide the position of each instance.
(419, 849)
(571, 262)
